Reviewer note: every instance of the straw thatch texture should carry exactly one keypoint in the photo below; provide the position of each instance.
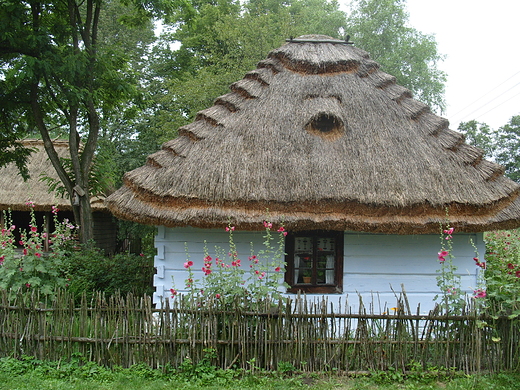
(14, 192)
(323, 139)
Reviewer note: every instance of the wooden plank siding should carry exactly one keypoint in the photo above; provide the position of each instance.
(375, 265)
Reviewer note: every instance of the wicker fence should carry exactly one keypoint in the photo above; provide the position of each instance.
(305, 334)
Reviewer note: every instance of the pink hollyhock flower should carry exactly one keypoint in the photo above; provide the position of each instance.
(449, 231)
(2, 259)
(510, 266)
(217, 296)
(55, 210)
(173, 292)
(268, 225)
(517, 274)
(38, 254)
(442, 255)
(27, 285)
(281, 229)
(34, 229)
(480, 293)
(277, 269)
(188, 264)
(24, 252)
(230, 228)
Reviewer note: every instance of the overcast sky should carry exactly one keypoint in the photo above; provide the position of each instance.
(481, 41)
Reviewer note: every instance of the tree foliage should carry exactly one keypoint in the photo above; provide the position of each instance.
(381, 27)
(217, 42)
(211, 44)
(480, 135)
(501, 145)
(61, 74)
(508, 147)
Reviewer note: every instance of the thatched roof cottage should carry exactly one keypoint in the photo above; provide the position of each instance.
(332, 147)
(15, 194)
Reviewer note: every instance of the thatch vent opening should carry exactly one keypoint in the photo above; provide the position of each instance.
(326, 125)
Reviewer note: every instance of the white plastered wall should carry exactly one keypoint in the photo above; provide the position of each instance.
(375, 265)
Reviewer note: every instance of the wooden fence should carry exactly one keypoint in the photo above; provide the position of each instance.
(305, 334)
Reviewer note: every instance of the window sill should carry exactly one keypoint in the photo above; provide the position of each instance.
(314, 289)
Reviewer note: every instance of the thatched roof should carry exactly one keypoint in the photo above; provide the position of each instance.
(14, 192)
(317, 136)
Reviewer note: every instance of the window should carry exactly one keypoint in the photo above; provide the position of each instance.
(315, 262)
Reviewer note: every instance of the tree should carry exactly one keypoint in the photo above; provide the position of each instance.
(58, 76)
(480, 135)
(508, 147)
(222, 40)
(381, 28)
(501, 145)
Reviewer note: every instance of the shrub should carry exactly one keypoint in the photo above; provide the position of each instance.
(90, 270)
(503, 271)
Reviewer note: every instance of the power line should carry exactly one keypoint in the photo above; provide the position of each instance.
(518, 94)
(487, 93)
(491, 101)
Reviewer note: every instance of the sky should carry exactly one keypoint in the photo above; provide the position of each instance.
(481, 42)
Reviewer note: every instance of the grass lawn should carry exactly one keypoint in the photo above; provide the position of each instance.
(32, 374)
(258, 382)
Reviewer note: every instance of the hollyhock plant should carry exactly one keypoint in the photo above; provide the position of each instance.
(29, 266)
(451, 297)
(225, 277)
(502, 272)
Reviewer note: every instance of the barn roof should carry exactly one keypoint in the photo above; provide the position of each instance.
(320, 138)
(15, 193)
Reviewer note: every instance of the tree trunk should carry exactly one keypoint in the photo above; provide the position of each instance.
(86, 220)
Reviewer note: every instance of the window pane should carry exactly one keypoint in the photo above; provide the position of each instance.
(314, 262)
(325, 261)
(303, 261)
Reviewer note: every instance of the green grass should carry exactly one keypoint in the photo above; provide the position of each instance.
(28, 373)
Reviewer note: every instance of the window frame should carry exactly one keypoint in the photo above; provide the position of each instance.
(337, 286)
